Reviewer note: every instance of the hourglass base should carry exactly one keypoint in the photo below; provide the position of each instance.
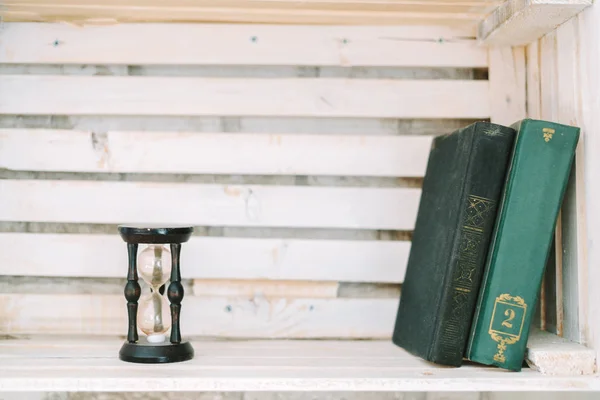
(154, 353)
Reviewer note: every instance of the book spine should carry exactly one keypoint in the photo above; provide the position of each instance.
(521, 242)
(485, 177)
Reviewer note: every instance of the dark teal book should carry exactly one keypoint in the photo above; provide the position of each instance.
(461, 189)
(535, 186)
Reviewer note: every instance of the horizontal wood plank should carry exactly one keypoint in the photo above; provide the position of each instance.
(231, 317)
(105, 256)
(520, 22)
(123, 13)
(120, 95)
(213, 153)
(366, 5)
(214, 205)
(255, 288)
(195, 44)
(75, 364)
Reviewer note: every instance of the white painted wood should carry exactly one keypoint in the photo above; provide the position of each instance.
(119, 95)
(213, 153)
(215, 205)
(197, 44)
(105, 256)
(264, 288)
(76, 365)
(553, 355)
(229, 317)
(533, 101)
(533, 82)
(507, 85)
(519, 22)
(573, 217)
(548, 77)
(549, 111)
(589, 64)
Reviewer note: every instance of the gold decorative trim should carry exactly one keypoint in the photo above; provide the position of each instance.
(548, 132)
(504, 338)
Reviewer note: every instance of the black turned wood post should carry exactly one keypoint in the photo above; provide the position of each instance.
(175, 292)
(132, 292)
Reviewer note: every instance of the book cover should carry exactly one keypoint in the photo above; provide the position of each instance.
(535, 186)
(462, 185)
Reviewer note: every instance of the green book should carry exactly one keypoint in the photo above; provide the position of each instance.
(533, 192)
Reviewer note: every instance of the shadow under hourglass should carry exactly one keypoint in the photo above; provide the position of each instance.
(152, 313)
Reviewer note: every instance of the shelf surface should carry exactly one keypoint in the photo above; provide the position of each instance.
(92, 364)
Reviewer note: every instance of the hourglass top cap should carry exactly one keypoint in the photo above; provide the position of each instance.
(155, 234)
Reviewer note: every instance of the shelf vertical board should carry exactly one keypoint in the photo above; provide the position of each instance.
(520, 22)
(507, 76)
(572, 223)
(588, 32)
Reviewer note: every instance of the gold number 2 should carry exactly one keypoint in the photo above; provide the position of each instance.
(511, 315)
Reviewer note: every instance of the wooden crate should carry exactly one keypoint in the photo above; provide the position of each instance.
(296, 146)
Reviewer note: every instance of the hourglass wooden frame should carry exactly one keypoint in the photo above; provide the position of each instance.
(140, 350)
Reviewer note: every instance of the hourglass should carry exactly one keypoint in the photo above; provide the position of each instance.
(153, 315)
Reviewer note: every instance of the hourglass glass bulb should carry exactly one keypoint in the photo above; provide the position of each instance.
(154, 316)
(154, 265)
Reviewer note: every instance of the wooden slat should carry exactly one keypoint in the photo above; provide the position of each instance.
(249, 289)
(364, 5)
(520, 22)
(195, 44)
(414, 13)
(97, 256)
(215, 205)
(213, 153)
(507, 85)
(233, 317)
(533, 81)
(302, 365)
(82, 95)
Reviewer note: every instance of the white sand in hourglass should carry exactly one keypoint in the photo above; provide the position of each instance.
(154, 315)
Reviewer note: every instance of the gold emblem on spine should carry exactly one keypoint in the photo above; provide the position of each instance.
(548, 132)
(507, 322)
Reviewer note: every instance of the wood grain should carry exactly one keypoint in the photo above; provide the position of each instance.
(215, 316)
(105, 256)
(257, 288)
(507, 85)
(214, 205)
(213, 153)
(120, 95)
(520, 22)
(301, 365)
(587, 167)
(573, 215)
(271, 12)
(239, 44)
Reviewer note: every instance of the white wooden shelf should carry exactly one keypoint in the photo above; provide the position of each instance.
(66, 364)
